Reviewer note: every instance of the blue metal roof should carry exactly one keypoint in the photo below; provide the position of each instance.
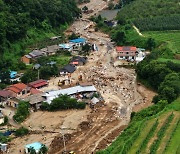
(78, 40)
(13, 74)
(35, 145)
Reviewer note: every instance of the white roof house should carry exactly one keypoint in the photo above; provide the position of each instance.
(141, 55)
(68, 91)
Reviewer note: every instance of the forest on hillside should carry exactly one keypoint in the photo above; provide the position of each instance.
(19, 16)
(151, 14)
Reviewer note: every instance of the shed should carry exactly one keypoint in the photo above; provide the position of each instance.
(67, 69)
(3, 147)
(13, 74)
(36, 146)
(35, 100)
(36, 66)
(94, 100)
(77, 60)
(78, 40)
(68, 91)
(66, 46)
(38, 84)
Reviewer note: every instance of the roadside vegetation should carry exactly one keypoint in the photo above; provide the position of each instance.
(63, 102)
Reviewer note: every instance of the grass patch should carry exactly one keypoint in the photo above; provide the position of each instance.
(172, 38)
(61, 59)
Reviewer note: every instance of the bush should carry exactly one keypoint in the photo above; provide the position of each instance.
(21, 131)
(22, 111)
(63, 102)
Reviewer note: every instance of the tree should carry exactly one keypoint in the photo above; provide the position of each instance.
(119, 37)
(86, 49)
(73, 36)
(5, 76)
(22, 111)
(31, 150)
(29, 76)
(150, 44)
(43, 150)
(21, 131)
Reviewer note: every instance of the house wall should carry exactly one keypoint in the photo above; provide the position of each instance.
(25, 60)
(24, 92)
(12, 103)
(126, 55)
(1, 120)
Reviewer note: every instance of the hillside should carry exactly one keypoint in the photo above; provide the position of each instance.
(152, 14)
(156, 134)
(24, 23)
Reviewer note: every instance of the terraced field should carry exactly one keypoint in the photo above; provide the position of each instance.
(159, 134)
(170, 37)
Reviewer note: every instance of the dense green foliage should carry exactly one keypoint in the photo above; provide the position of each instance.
(158, 23)
(152, 14)
(63, 102)
(19, 16)
(30, 23)
(22, 111)
(21, 131)
(163, 77)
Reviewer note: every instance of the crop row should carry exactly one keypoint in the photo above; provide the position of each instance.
(148, 137)
(131, 140)
(171, 136)
(161, 134)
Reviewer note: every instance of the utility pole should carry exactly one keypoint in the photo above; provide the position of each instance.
(38, 74)
(63, 141)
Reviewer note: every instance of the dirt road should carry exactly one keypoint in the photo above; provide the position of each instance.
(117, 86)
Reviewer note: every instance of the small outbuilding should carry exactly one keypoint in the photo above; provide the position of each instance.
(38, 84)
(67, 69)
(79, 61)
(3, 147)
(36, 146)
(35, 100)
(78, 42)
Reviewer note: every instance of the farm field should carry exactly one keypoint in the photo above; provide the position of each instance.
(157, 134)
(171, 37)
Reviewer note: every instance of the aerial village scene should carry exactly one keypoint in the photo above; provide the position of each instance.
(98, 83)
